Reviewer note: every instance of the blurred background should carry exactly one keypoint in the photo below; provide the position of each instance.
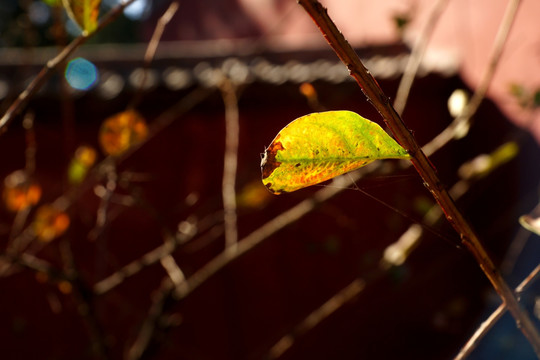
(113, 219)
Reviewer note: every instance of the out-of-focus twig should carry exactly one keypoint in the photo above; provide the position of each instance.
(262, 233)
(152, 257)
(230, 164)
(493, 318)
(463, 120)
(152, 47)
(52, 64)
(416, 56)
(82, 297)
(470, 172)
(145, 335)
(108, 191)
(317, 316)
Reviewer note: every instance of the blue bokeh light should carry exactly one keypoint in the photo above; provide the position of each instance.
(81, 74)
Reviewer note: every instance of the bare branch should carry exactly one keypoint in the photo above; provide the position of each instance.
(144, 338)
(464, 118)
(492, 319)
(152, 47)
(423, 166)
(230, 163)
(416, 56)
(317, 316)
(262, 233)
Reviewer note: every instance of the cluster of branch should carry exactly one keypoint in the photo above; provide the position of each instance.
(177, 285)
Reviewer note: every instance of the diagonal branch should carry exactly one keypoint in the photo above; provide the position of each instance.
(422, 164)
(493, 318)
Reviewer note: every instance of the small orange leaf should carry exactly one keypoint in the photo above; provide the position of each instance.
(50, 223)
(121, 131)
(20, 191)
(65, 287)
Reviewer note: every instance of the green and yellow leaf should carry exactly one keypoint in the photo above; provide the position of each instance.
(84, 12)
(321, 146)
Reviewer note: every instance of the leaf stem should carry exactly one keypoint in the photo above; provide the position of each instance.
(422, 164)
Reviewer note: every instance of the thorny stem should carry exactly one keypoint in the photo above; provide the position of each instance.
(52, 64)
(422, 164)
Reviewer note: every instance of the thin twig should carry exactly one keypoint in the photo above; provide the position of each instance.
(464, 119)
(152, 257)
(333, 304)
(52, 64)
(423, 166)
(492, 319)
(394, 255)
(152, 47)
(397, 252)
(103, 209)
(417, 53)
(230, 164)
(262, 233)
(145, 335)
(83, 299)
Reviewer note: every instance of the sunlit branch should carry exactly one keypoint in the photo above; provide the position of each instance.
(422, 164)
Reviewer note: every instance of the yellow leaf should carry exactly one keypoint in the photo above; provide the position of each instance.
(83, 12)
(320, 146)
